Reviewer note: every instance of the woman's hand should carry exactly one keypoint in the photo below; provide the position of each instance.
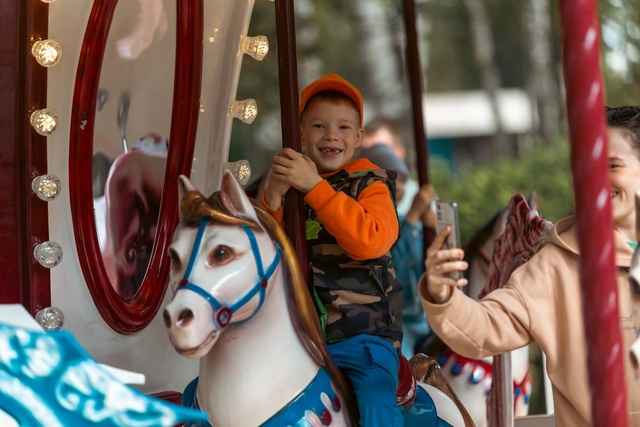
(438, 266)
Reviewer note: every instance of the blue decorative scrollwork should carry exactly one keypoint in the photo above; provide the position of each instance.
(47, 379)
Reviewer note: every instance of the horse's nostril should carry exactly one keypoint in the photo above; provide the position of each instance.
(166, 317)
(185, 317)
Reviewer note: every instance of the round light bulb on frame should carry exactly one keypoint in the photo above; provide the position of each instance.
(48, 254)
(245, 111)
(47, 187)
(50, 318)
(46, 52)
(240, 169)
(44, 121)
(256, 47)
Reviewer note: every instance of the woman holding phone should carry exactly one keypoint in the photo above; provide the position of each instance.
(542, 300)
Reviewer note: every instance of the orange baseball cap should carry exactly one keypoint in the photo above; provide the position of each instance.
(336, 83)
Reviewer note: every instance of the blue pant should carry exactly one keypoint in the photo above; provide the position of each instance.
(371, 364)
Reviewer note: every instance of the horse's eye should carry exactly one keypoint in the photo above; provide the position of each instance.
(175, 259)
(221, 254)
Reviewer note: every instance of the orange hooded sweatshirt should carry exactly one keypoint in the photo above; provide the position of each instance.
(366, 228)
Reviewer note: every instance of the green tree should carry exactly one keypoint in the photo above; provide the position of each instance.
(483, 190)
(620, 23)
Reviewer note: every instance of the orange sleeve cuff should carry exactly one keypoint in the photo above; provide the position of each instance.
(278, 215)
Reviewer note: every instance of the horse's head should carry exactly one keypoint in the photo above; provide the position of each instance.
(222, 263)
(634, 283)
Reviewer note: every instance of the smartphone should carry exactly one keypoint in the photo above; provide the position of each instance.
(447, 215)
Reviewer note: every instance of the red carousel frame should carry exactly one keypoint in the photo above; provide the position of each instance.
(24, 157)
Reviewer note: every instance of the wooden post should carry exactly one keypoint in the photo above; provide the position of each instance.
(415, 79)
(288, 77)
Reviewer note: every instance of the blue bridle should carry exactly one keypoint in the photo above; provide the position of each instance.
(222, 313)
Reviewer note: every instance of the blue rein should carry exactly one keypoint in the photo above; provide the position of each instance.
(222, 313)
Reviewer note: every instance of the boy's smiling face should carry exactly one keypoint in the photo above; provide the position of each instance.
(330, 131)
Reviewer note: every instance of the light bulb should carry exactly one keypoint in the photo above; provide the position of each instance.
(47, 52)
(246, 110)
(240, 169)
(47, 187)
(48, 254)
(47, 1)
(256, 47)
(44, 121)
(50, 318)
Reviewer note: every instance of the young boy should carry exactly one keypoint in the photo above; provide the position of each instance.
(351, 226)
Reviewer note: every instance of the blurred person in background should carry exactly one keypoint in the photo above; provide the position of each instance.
(408, 251)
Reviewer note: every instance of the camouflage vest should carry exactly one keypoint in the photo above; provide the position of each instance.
(354, 296)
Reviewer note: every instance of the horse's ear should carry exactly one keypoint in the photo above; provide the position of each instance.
(532, 201)
(184, 186)
(235, 199)
(503, 217)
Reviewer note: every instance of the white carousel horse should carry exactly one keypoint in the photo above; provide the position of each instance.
(241, 306)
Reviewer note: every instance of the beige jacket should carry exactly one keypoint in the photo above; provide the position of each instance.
(542, 303)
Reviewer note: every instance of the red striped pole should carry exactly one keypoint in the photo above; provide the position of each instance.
(587, 129)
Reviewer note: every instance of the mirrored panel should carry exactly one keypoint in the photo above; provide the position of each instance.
(137, 89)
(131, 136)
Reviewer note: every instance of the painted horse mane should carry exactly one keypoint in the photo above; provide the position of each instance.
(524, 235)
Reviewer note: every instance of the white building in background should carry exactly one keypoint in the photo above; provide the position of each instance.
(468, 114)
(460, 125)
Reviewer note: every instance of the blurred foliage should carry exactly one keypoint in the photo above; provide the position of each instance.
(481, 191)
(620, 22)
(451, 53)
(452, 63)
